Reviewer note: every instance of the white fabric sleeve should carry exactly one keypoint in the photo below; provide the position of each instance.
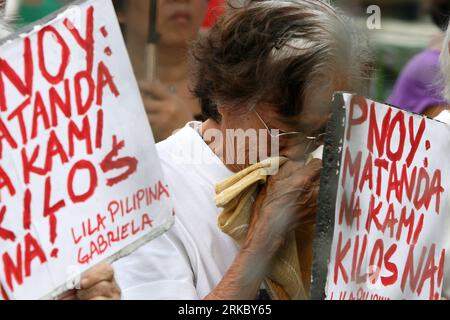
(159, 270)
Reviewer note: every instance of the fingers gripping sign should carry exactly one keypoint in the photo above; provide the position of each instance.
(99, 284)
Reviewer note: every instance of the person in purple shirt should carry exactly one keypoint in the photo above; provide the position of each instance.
(418, 88)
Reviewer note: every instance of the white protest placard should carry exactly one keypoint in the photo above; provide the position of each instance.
(391, 203)
(80, 179)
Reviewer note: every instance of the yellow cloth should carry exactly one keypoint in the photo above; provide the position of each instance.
(290, 274)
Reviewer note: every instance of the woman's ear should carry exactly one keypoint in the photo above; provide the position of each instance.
(222, 112)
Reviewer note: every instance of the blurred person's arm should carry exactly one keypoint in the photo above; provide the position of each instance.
(165, 110)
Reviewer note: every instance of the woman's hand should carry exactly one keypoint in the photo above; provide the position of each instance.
(99, 284)
(166, 111)
(288, 200)
(96, 284)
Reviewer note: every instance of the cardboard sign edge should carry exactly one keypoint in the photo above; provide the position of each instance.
(327, 197)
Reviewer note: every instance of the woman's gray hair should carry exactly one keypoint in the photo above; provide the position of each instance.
(445, 64)
(278, 52)
(352, 53)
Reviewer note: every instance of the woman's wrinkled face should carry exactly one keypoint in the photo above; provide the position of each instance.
(179, 20)
(302, 129)
(311, 122)
(248, 140)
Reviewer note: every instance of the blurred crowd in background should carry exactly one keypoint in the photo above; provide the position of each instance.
(409, 39)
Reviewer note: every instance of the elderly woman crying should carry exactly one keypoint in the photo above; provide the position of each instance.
(265, 74)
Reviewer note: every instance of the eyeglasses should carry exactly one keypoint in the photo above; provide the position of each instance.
(312, 140)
